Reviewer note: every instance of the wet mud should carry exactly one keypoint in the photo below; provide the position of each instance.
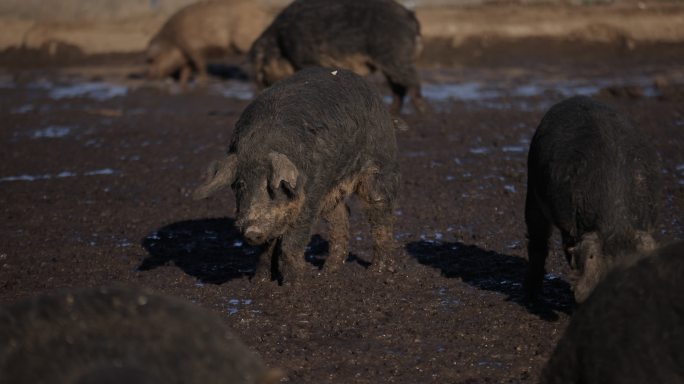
(98, 167)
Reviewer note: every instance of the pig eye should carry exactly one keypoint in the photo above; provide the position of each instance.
(238, 185)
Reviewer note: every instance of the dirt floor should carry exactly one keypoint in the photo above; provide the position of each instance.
(97, 167)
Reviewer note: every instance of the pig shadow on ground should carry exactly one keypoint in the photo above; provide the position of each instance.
(220, 71)
(214, 251)
(318, 250)
(492, 271)
(227, 71)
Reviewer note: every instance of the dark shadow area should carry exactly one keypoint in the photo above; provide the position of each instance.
(317, 252)
(493, 271)
(218, 70)
(227, 71)
(213, 250)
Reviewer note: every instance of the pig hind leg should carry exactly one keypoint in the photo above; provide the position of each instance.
(538, 233)
(199, 62)
(404, 81)
(338, 221)
(378, 205)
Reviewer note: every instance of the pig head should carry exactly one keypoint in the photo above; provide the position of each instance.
(269, 193)
(163, 59)
(269, 65)
(591, 264)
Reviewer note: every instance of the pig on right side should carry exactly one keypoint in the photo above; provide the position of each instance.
(359, 35)
(594, 176)
(630, 329)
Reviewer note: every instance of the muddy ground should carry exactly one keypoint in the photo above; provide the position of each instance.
(98, 165)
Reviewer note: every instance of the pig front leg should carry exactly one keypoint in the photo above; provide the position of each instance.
(291, 263)
(184, 76)
(383, 241)
(338, 220)
(200, 65)
(538, 233)
(264, 268)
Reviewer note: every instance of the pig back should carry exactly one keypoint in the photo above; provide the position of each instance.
(329, 122)
(309, 31)
(593, 170)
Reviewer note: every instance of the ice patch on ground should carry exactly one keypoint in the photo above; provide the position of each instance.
(235, 303)
(94, 90)
(502, 96)
(513, 149)
(52, 132)
(470, 91)
(61, 175)
(105, 171)
(479, 150)
(235, 90)
(22, 109)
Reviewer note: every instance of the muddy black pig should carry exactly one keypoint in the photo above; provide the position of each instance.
(201, 29)
(299, 149)
(630, 329)
(595, 176)
(121, 335)
(360, 35)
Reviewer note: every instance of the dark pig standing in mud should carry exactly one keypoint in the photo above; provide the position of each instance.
(201, 30)
(360, 35)
(630, 330)
(121, 335)
(593, 175)
(298, 151)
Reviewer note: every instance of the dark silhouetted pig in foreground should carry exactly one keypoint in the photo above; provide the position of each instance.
(298, 151)
(630, 329)
(595, 177)
(360, 35)
(121, 335)
(202, 29)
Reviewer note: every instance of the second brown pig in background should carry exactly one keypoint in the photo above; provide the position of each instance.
(360, 35)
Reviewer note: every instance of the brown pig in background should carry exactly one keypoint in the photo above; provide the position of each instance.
(200, 30)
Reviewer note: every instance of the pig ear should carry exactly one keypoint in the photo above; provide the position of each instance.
(282, 171)
(221, 173)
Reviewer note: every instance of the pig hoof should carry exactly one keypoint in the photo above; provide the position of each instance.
(260, 280)
(331, 268)
(382, 268)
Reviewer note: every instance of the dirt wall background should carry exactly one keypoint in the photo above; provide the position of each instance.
(121, 26)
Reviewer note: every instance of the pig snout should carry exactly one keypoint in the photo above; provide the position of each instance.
(254, 235)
